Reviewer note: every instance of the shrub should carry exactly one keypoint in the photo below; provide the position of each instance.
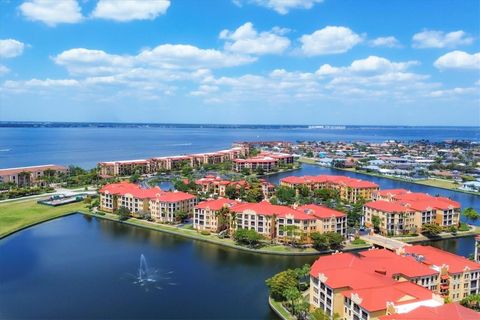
(205, 233)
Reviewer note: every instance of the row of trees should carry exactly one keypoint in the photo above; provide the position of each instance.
(287, 287)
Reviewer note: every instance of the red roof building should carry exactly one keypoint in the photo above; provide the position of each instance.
(449, 311)
(207, 215)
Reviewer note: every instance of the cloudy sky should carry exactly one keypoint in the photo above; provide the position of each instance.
(241, 61)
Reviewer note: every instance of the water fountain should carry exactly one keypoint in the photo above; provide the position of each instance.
(150, 278)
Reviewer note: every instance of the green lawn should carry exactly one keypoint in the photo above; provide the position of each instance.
(16, 215)
(441, 183)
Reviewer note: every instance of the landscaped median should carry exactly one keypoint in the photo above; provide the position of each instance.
(212, 238)
(21, 214)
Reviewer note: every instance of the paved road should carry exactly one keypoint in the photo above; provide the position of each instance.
(58, 191)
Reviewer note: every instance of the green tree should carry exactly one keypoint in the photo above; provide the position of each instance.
(254, 194)
(134, 178)
(123, 213)
(292, 295)
(376, 222)
(232, 192)
(471, 301)
(335, 240)
(247, 236)
(285, 195)
(181, 215)
(431, 230)
(259, 171)
(320, 241)
(223, 216)
(471, 214)
(280, 282)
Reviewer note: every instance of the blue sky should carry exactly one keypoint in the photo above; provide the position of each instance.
(241, 61)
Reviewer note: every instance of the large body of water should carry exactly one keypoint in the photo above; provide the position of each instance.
(81, 267)
(87, 146)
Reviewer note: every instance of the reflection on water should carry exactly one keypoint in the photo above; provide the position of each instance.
(95, 269)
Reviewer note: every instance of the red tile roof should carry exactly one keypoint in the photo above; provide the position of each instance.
(391, 192)
(124, 188)
(376, 298)
(268, 209)
(437, 257)
(12, 171)
(335, 180)
(449, 311)
(216, 204)
(321, 212)
(387, 206)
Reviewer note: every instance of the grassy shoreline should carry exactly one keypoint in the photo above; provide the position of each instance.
(443, 236)
(229, 243)
(436, 183)
(19, 215)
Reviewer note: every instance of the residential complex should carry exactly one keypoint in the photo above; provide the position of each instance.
(400, 211)
(213, 185)
(27, 176)
(157, 164)
(477, 249)
(265, 161)
(274, 222)
(158, 204)
(206, 215)
(378, 282)
(349, 189)
(449, 311)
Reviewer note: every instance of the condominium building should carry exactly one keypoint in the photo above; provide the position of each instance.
(271, 221)
(162, 206)
(401, 211)
(449, 311)
(267, 161)
(165, 206)
(157, 164)
(350, 286)
(213, 185)
(349, 189)
(458, 276)
(206, 214)
(328, 220)
(379, 282)
(27, 176)
(217, 186)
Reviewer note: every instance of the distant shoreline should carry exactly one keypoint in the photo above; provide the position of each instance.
(327, 127)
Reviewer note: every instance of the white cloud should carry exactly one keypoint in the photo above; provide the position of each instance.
(452, 93)
(389, 42)
(128, 10)
(458, 60)
(329, 40)
(379, 64)
(10, 48)
(190, 57)
(246, 40)
(52, 12)
(283, 6)
(3, 70)
(440, 39)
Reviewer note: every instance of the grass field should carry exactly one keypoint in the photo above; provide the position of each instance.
(17, 215)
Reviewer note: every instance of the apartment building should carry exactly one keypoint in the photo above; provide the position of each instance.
(217, 186)
(160, 205)
(206, 214)
(165, 206)
(458, 276)
(267, 161)
(401, 211)
(349, 189)
(27, 176)
(350, 286)
(449, 311)
(123, 168)
(328, 220)
(156, 164)
(125, 194)
(282, 223)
